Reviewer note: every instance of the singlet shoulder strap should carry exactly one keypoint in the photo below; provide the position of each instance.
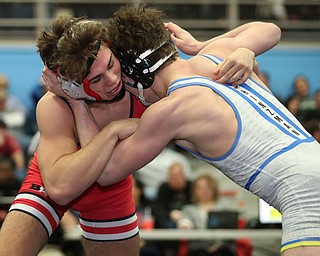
(215, 59)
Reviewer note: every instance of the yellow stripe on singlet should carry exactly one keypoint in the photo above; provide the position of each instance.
(312, 242)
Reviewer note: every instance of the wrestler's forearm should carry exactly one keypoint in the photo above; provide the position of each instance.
(141, 147)
(86, 125)
(261, 36)
(102, 142)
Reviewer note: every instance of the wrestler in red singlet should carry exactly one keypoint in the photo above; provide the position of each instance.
(106, 213)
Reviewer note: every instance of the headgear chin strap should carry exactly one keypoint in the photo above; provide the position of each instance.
(128, 81)
(137, 69)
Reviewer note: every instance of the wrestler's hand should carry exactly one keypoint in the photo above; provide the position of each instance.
(54, 86)
(236, 68)
(182, 39)
(125, 127)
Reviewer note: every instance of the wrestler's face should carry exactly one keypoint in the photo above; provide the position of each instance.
(105, 75)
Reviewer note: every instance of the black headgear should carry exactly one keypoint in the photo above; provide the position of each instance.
(137, 69)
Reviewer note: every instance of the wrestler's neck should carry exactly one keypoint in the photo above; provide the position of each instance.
(124, 102)
(171, 72)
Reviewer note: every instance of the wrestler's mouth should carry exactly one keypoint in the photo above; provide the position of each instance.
(115, 90)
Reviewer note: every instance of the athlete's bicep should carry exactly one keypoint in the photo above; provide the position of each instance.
(56, 135)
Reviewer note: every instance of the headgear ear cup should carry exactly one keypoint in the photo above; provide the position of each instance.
(75, 90)
(138, 69)
(81, 90)
(135, 70)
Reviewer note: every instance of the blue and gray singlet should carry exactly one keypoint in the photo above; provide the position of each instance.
(273, 156)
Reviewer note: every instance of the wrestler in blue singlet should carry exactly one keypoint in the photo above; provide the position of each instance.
(272, 156)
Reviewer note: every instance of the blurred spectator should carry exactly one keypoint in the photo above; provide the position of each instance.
(70, 226)
(145, 219)
(33, 145)
(155, 173)
(313, 127)
(10, 148)
(271, 9)
(265, 78)
(302, 12)
(311, 120)
(9, 185)
(314, 113)
(13, 113)
(293, 105)
(143, 206)
(173, 195)
(302, 91)
(37, 92)
(205, 196)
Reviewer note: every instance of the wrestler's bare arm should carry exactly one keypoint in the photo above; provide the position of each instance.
(156, 128)
(66, 171)
(262, 36)
(255, 36)
(237, 66)
(258, 37)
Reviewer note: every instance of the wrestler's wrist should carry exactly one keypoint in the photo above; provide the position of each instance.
(248, 51)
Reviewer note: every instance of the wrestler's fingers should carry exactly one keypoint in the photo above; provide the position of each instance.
(236, 75)
(225, 69)
(236, 78)
(48, 73)
(172, 27)
(49, 79)
(240, 79)
(226, 72)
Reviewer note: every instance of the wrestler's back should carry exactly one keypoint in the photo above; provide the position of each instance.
(265, 128)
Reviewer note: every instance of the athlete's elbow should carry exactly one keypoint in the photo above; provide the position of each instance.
(276, 32)
(268, 30)
(109, 177)
(104, 180)
(59, 195)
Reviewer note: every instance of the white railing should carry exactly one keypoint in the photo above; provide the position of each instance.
(42, 11)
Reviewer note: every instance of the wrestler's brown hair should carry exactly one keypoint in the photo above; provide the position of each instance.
(69, 43)
(140, 28)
